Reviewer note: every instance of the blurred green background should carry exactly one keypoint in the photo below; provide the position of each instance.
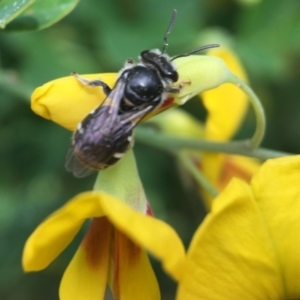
(98, 36)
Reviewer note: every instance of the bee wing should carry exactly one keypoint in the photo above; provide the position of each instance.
(112, 101)
(114, 98)
(73, 165)
(137, 117)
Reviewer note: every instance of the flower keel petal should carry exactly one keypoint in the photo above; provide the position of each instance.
(86, 275)
(134, 277)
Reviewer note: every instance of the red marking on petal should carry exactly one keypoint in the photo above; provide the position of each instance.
(149, 211)
(167, 102)
(126, 255)
(133, 251)
(232, 169)
(96, 241)
(229, 170)
(116, 272)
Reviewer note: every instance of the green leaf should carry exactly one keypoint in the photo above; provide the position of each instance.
(10, 9)
(42, 14)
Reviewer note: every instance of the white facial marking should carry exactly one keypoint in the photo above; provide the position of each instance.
(129, 139)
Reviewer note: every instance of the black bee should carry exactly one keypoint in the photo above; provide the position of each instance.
(105, 134)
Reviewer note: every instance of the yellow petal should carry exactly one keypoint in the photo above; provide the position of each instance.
(86, 275)
(53, 235)
(248, 245)
(226, 105)
(133, 277)
(232, 255)
(66, 101)
(152, 234)
(277, 190)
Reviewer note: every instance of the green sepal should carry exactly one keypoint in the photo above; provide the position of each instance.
(123, 182)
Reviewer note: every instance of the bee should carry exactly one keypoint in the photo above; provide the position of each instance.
(106, 133)
(104, 136)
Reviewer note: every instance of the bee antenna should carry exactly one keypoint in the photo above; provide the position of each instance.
(196, 50)
(165, 40)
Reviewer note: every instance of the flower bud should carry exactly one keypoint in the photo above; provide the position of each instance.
(199, 73)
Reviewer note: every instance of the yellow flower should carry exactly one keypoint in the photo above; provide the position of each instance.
(112, 251)
(248, 245)
(119, 258)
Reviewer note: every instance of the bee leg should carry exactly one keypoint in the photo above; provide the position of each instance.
(93, 83)
(177, 89)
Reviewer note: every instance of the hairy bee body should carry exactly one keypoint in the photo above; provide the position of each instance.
(104, 135)
(144, 87)
(99, 143)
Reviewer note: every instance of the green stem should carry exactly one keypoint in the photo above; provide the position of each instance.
(258, 109)
(173, 144)
(199, 177)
